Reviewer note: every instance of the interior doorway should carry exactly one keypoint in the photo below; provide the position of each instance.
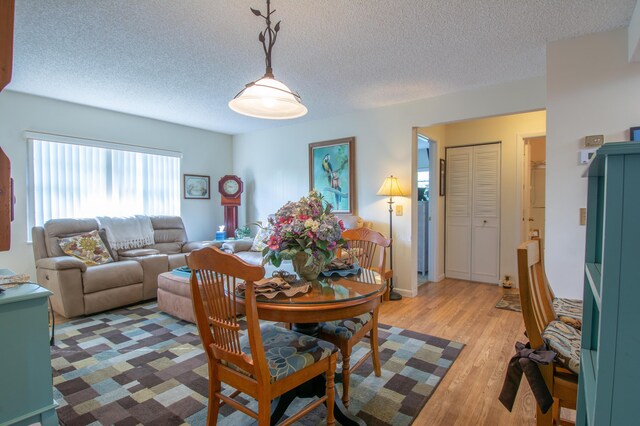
(534, 187)
(510, 130)
(423, 183)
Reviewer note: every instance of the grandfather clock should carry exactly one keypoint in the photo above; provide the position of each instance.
(230, 188)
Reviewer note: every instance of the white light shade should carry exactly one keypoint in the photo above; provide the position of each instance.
(268, 98)
(390, 187)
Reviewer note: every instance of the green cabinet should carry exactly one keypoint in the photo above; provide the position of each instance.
(26, 384)
(609, 385)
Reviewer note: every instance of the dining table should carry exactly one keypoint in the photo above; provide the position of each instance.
(331, 297)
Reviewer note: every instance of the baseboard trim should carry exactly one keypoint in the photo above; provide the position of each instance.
(406, 293)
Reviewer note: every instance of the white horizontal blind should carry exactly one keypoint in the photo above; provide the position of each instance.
(78, 180)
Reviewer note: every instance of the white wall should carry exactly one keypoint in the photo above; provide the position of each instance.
(204, 152)
(274, 163)
(592, 89)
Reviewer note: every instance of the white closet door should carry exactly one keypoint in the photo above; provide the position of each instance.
(485, 237)
(459, 211)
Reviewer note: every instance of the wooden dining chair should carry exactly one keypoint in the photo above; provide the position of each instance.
(542, 328)
(346, 333)
(266, 361)
(567, 310)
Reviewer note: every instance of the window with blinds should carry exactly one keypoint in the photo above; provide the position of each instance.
(80, 178)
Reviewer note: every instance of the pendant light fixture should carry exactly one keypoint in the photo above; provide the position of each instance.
(267, 97)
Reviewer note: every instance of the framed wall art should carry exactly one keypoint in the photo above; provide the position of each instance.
(197, 187)
(332, 172)
(634, 134)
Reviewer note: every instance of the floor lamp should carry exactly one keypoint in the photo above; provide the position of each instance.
(390, 188)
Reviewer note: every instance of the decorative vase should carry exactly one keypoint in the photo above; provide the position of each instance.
(308, 272)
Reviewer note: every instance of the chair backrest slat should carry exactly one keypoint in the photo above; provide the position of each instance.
(363, 243)
(214, 277)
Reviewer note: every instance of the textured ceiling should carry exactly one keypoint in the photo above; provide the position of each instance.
(182, 60)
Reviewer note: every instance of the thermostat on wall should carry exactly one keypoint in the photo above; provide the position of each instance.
(586, 154)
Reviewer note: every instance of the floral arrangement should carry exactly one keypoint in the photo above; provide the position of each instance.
(306, 226)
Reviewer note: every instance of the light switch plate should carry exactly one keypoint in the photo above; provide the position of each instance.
(593, 140)
(399, 210)
(583, 216)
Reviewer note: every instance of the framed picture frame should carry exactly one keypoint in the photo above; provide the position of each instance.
(332, 172)
(634, 133)
(196, 187)
(443, 176)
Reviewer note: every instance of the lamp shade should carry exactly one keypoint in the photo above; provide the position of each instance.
(390, 187)
(268, 98)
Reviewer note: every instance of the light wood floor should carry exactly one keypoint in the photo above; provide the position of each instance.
(465, 312)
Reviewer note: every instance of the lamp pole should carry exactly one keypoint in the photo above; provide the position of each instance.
(392, 294)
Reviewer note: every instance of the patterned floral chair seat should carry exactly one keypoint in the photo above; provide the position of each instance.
(287, 351)
(346, 328)
(564, 340)
(569, 311)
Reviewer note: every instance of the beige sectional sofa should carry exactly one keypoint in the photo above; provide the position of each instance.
(79, 289)
(242, 248)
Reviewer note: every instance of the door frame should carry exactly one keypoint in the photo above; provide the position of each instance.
(520, 192)
(435, 260)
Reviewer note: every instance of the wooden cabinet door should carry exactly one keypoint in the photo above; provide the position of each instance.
(7, 11)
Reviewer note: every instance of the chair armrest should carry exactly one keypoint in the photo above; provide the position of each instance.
(61, 263)
(237, 246)
(190, 246)
(152, 266)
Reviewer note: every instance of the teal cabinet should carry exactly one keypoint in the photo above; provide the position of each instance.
(26, 384)
(609, 385)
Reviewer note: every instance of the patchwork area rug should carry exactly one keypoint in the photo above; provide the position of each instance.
(510, 302)
(140, 366)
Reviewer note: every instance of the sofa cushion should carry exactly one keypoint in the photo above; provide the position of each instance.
(62, 228)
(167, 248)
(112, 275)
(168, 229)
(177, 260)
(87, 247)
(137, 252)
(252, 257)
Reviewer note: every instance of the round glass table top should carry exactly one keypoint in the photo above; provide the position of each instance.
(331, 289)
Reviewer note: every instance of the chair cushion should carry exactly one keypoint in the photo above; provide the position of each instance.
(564, 340)
(569, 311)
(345, 329)
(288, 351)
